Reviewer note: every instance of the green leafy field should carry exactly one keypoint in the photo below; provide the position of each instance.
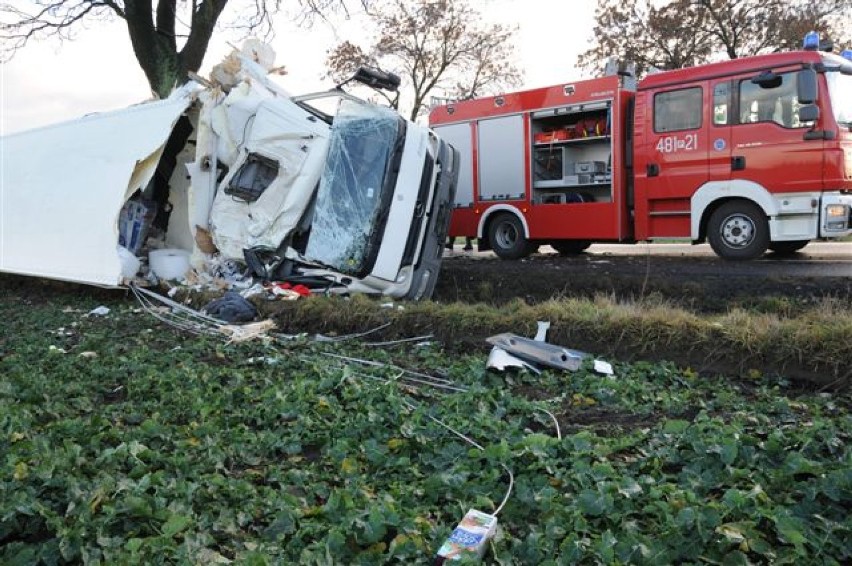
(124, 442)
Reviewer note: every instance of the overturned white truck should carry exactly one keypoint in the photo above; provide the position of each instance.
(357, 199)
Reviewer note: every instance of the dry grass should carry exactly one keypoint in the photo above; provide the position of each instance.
(812, 345)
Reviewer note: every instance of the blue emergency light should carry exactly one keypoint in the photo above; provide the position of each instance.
(846, 54)
(811, 42)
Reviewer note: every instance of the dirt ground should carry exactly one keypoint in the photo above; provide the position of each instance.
(701, 284)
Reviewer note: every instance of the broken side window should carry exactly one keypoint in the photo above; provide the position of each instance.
(252, 178)
(356, 188)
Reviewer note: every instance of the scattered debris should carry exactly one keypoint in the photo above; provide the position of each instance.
(500, 360)
(470, 538)
(541, 333)
(513, 351)
(231, 308)
(170, 264)
(537, 352)
(412, 377)
(99, 311)
(419, 339)
(324, 338)
(603, 367)
(245, 332)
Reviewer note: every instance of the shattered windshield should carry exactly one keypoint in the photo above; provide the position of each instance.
(840, 90)
(356, 188)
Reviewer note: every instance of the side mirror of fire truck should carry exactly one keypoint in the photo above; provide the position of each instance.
(806, 86)
(809, 113)
(767, 80)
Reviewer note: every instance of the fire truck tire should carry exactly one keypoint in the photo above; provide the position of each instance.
(738, 230)
(784, 248)
(506, 236)
(570, 247)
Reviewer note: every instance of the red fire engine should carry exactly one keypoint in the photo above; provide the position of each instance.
(749, 154)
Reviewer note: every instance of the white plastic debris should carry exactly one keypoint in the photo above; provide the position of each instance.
(99, 311)
(604, 367)
(500, 359)
(169, 263)
(130, 264)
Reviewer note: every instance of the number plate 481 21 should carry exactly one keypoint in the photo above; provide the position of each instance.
(675, 144)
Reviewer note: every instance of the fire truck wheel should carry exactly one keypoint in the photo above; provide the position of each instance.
(738, 230)
(783, 248)
(506, 236)
(570, 247)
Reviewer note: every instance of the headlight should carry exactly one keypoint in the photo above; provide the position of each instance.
(837, 217)
(837, 211)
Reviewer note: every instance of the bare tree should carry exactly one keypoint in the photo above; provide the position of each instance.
(748, 27)
(169, 37)
(434, 45)
(665, 37)
(681, 33)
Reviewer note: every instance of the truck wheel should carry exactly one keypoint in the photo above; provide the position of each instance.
(738, 230)
(506, 236)
(570, 247)
(784, 248)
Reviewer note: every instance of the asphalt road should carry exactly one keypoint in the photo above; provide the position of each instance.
(817, 259)
(692, 274)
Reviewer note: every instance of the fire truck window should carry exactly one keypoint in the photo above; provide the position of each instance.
(720, 104)
(677, 110)
(778, 104)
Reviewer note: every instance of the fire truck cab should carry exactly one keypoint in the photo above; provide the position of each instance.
(750, 154)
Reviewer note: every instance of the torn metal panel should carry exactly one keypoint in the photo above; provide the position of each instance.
(279, 132)
(77, 175)
(542, 326)
(538, 352)
(500, 360)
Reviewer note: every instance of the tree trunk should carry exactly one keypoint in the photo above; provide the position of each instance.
(156, 51)
(155, 46)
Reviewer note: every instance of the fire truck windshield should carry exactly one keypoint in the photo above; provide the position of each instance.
(840, 91)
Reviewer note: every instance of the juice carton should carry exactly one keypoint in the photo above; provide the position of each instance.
(469, 537)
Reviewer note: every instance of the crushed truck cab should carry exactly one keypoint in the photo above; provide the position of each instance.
(355, 199)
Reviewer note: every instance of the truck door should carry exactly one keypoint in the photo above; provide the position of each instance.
(675, 147)
(769, 145)
(719, 150)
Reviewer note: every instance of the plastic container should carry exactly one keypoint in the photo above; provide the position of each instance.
(169, 263)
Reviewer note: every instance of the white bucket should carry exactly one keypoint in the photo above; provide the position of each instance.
(169, 263)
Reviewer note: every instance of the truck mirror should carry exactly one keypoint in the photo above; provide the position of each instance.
(806, 86)
(376, 78)
(767, 79)
(809, 113)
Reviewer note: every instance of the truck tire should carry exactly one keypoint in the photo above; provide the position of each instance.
(570, 247)
(506, 236)
(738, 230)
(786, 248)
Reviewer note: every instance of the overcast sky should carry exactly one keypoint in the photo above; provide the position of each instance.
(49, 82)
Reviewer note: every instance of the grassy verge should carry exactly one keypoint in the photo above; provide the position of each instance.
(124, 442)
(813, 344)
